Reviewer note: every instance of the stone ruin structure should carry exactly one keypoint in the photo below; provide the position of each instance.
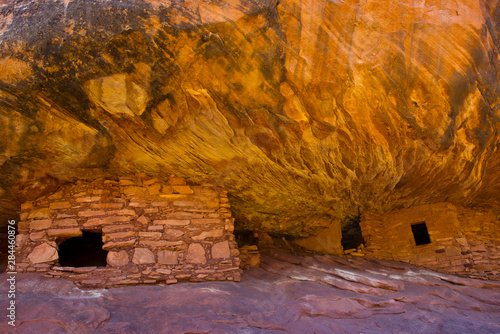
(441, 236)
(153, 231)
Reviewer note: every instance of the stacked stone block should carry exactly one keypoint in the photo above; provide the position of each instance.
(154, 231)
(374, 235)
(249, 256)
(463, 241)
(481, 229)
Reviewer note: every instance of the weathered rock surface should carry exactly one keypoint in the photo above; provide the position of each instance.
(117, 259)
(304, 111)
(196, 254)
(297, 294)
(143, 256)
(43, 253)
(326, 241)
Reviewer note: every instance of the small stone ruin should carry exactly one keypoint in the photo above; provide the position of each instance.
(440, 236)
(137, 230)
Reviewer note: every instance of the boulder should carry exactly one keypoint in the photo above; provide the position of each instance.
(43, 253)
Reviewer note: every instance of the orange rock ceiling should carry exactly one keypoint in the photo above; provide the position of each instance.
(305, 111)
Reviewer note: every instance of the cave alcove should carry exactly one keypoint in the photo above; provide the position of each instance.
(351, 232)
(245, 238)
(84, 251)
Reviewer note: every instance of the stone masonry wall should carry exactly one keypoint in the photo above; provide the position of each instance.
(463, 241)
(155, 231)
(481, 229)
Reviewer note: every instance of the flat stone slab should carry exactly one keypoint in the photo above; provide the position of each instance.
(288, 293)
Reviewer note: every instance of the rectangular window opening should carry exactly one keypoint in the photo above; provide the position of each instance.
(83, 251)
(420, 234)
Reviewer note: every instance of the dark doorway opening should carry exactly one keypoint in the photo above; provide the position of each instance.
(84, 251)
(351, 232)
(244, 238)
(420, 234)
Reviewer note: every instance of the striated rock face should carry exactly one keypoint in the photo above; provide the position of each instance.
(305, 111)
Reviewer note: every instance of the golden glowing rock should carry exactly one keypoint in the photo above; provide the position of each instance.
(326, 241)
(117, 94)
(306, 111)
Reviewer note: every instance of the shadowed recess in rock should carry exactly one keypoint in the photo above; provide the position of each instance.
(84, 251)
(351, 232)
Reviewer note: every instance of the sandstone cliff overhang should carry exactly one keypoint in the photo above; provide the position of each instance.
(306, 112)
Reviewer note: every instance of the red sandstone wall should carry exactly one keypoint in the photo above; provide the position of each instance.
(463, 241)
(327, 240)
(375, 236)
(155, 231)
